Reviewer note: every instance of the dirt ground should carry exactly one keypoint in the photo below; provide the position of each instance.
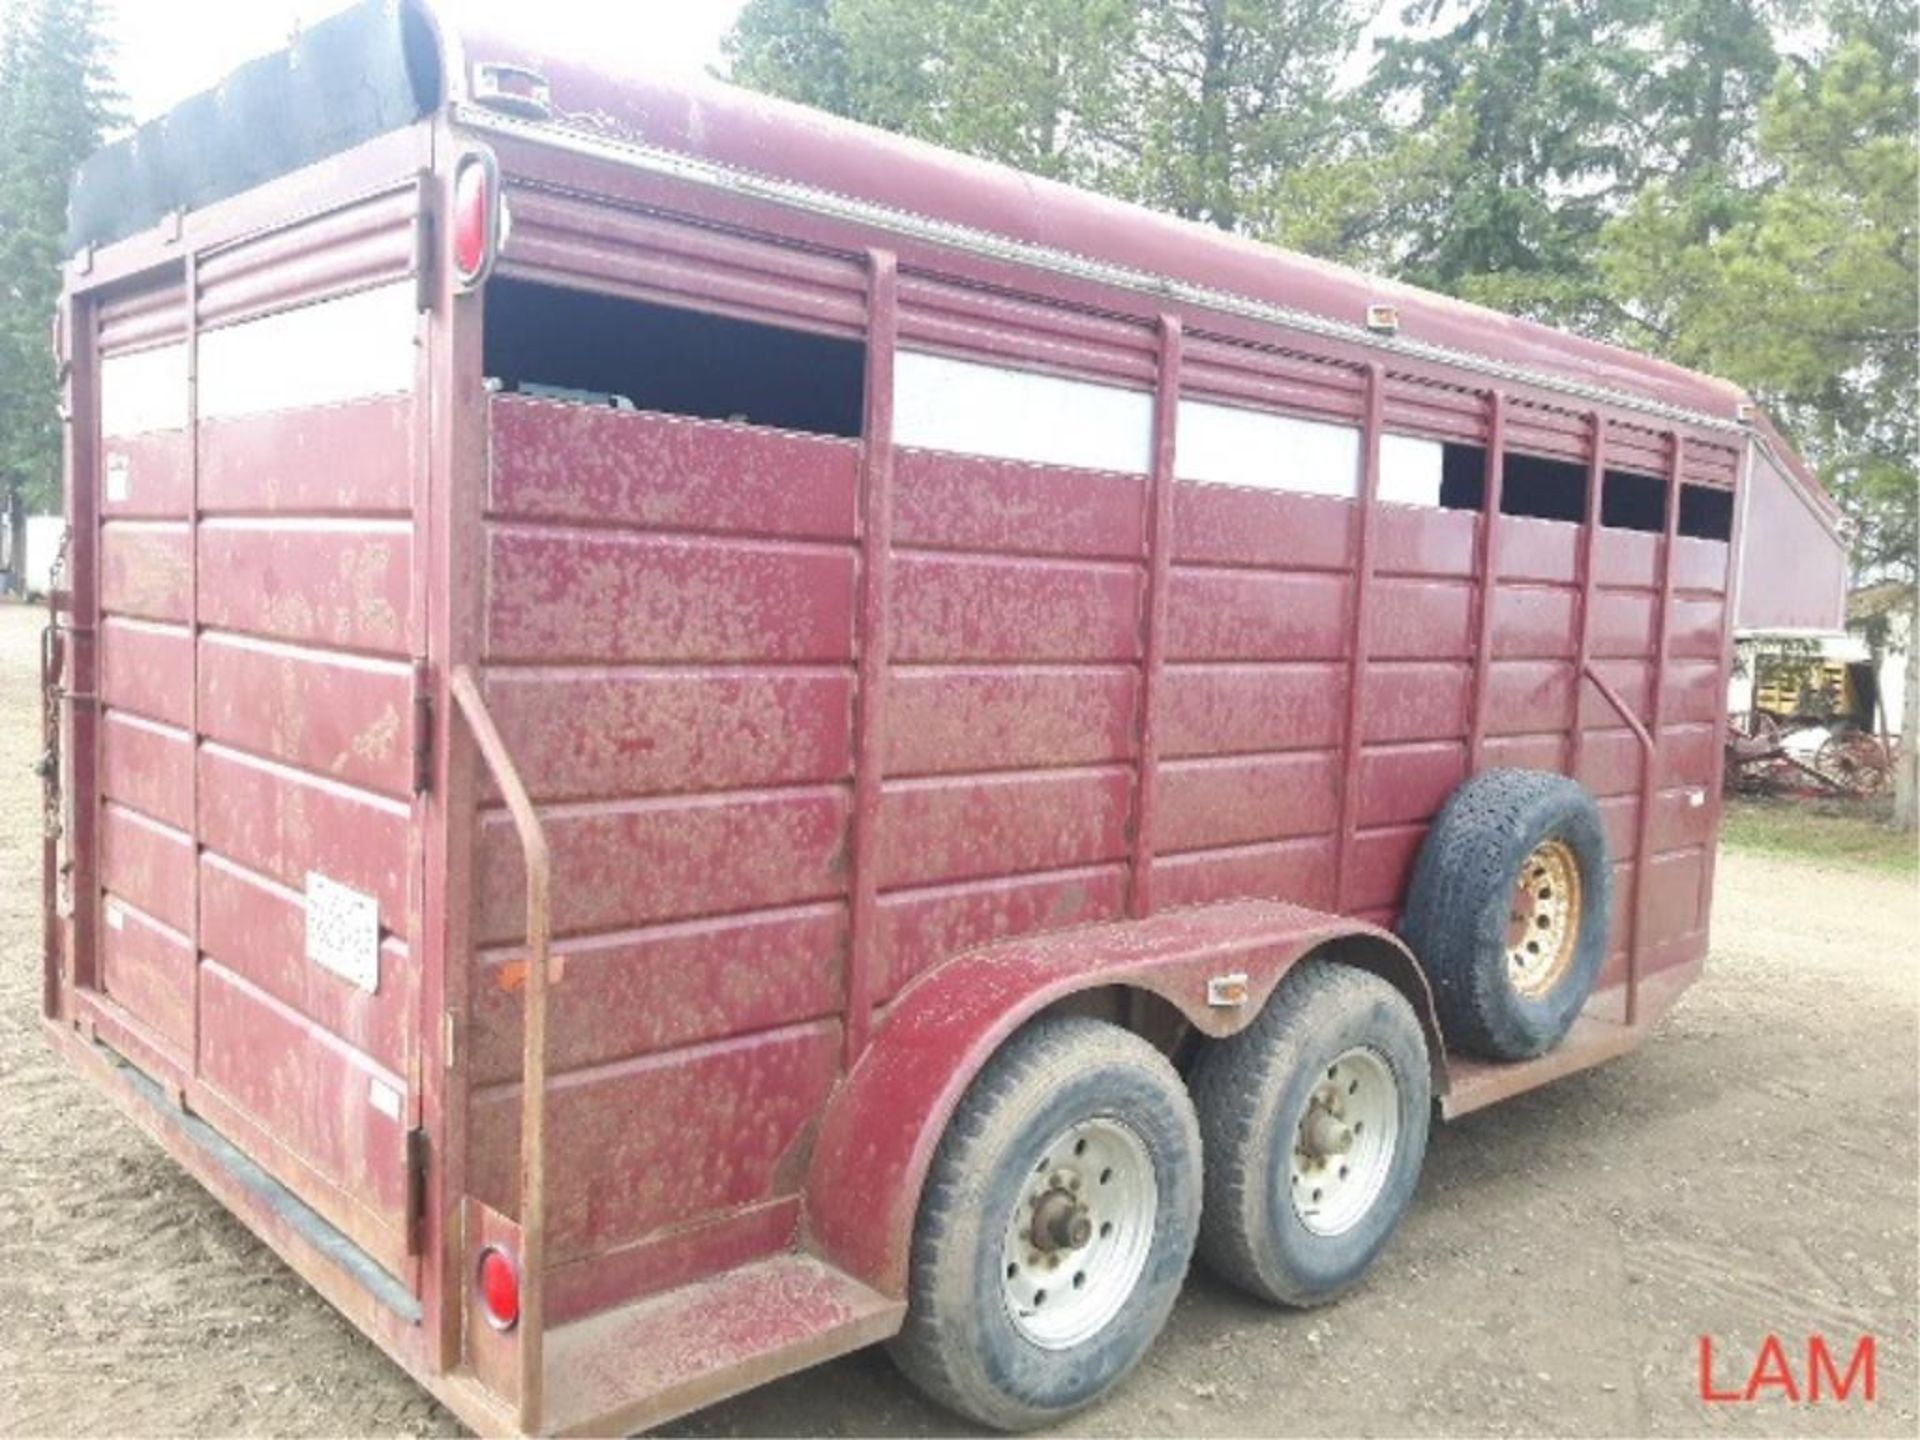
(1752, 1171)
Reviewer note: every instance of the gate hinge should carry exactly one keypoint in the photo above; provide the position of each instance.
(422, 728)
(425, 246)
(416, 1189)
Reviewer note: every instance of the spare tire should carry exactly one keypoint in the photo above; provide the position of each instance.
(1509, 911)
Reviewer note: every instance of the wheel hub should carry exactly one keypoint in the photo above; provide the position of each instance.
(1344, 1143)
(1080, 1232)
(1543, 919)
(1060, 1222)
(1323, 1133)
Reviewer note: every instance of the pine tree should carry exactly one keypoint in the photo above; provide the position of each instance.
(1198, 107)
(1233, 97)
(791, 48)
(1806, 293)
(1535, 96)
(58, 101)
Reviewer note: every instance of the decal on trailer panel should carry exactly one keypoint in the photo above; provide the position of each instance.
(343, 931)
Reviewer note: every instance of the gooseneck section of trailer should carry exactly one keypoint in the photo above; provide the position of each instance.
(533, 1087)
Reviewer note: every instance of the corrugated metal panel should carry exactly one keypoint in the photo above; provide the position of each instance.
(919, 928)
(1010, 507)
(561, 239)
(951, 608)
(1547, 430)
(618, 1132)
(1438, 412)
(992, 325)
(1270, 379)
(150, 313)
(356, 247)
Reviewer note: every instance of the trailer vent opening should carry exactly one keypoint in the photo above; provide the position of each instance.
(1705, 513)
(1463, 478)
(1543, 489)
(602, 349)
(1629, 501)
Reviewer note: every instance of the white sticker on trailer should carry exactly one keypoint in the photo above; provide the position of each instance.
(119, 479)
(343, 931)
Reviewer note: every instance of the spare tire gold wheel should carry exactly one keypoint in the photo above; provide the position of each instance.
(1543, 926)
(1314, 1123)
(1508, 911)
(1055, 1227)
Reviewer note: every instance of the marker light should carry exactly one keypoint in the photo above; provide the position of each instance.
(479, 219)
(514, 89)
(499, 1288)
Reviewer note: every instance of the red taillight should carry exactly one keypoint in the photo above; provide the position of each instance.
(474, 209)
(499, 1288)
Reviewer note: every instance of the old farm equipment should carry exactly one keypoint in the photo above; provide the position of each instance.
(756, 761)
(1807, 756)
(1815, 728)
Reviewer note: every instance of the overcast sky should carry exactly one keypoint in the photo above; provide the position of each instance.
(166, 50)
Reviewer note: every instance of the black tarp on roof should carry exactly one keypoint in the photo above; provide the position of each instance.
(355, 75)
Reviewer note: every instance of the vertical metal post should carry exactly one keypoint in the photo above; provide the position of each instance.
(449, 449)
(1589, 549)
(1489, 560)
(1153, 663)
(55, 664)
(1730, 598)
(1656, 719)
(53, 948)
(1359, 636)
(191, 282)
(869, 719)
(83, 646)
(538, 859)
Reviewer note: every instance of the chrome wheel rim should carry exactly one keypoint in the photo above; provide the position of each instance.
(1080, 1232)
(1344, 1143)
(1543, 919)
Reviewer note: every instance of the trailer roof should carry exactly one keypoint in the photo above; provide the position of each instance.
(386, 63)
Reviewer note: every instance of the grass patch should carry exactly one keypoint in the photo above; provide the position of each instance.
(1821, 832)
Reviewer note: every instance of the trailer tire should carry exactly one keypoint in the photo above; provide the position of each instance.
(1509, 911)
(1294, 1215)
(1067, 1101)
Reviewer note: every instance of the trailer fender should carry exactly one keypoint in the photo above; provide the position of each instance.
(1216, 964)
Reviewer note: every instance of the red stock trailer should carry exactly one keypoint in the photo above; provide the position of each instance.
(687, 736)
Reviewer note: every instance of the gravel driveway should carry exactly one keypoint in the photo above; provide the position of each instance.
(1752, 1171)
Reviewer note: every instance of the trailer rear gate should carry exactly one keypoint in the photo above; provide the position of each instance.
(259, 619)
